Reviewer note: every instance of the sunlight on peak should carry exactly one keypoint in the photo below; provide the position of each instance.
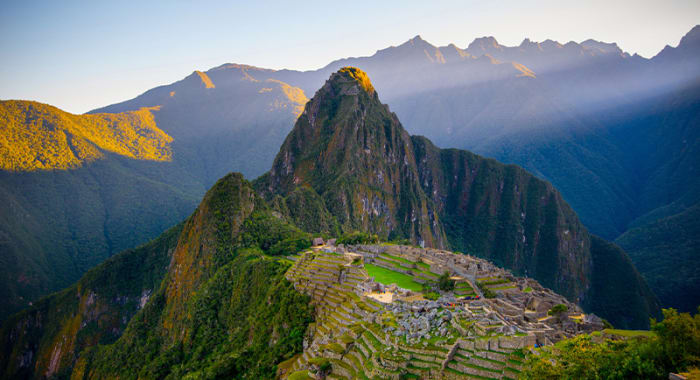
(205, 79)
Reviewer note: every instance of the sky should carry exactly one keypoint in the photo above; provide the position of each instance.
(80, 55)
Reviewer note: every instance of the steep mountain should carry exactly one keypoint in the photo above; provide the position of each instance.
(351, 150)
(371, 175)
(77, 189)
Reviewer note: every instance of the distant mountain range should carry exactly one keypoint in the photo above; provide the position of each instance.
(616, 134)
(209, 297)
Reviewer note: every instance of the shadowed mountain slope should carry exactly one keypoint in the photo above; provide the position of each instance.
(76, 189)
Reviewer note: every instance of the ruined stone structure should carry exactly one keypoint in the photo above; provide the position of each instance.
(367, 329)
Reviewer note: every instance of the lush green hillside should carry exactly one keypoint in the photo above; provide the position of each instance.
(350, 151)
(667, 252)
(35, 136)
(80, 188)
(202, 300)
(47, 338)
(57, 224)
(672, 346)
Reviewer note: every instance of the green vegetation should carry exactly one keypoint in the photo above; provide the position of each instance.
(488, 293)
(672, 346)
(431, 296)
(497, 281)
(126, 276)
(558, 309)
(360, 76)
(231, 313)
(248, 295)
(357, 237)
(301, 375)
(613, 273)
(388, 277)
(665, 253)
(37, 136)
(445, 283)
(630, 333)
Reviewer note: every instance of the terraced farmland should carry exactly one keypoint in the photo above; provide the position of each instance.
(458, 336)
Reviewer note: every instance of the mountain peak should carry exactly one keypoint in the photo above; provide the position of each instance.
(484, 43)
(353, 75)
(603, 47)
(692, 37)
(417, 41)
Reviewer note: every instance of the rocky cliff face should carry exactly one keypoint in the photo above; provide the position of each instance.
(505, 214)
(352, 152)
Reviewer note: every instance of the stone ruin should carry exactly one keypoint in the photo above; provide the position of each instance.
(364, 328)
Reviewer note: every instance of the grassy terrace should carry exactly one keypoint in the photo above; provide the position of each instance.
(503, 287)
(388, 277)
(406, 264)
(630, 333)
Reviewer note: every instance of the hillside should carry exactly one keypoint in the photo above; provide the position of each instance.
(77, 189)
(200, 299)
(49, 336)
(80, 188)
(35, 136)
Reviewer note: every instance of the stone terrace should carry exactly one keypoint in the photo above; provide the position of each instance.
(461, 335)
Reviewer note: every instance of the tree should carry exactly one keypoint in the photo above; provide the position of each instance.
(445, 283)
(558, 310)
(679, 335)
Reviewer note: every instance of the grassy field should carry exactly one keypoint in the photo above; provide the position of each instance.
(630, 333)
(387, 277)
